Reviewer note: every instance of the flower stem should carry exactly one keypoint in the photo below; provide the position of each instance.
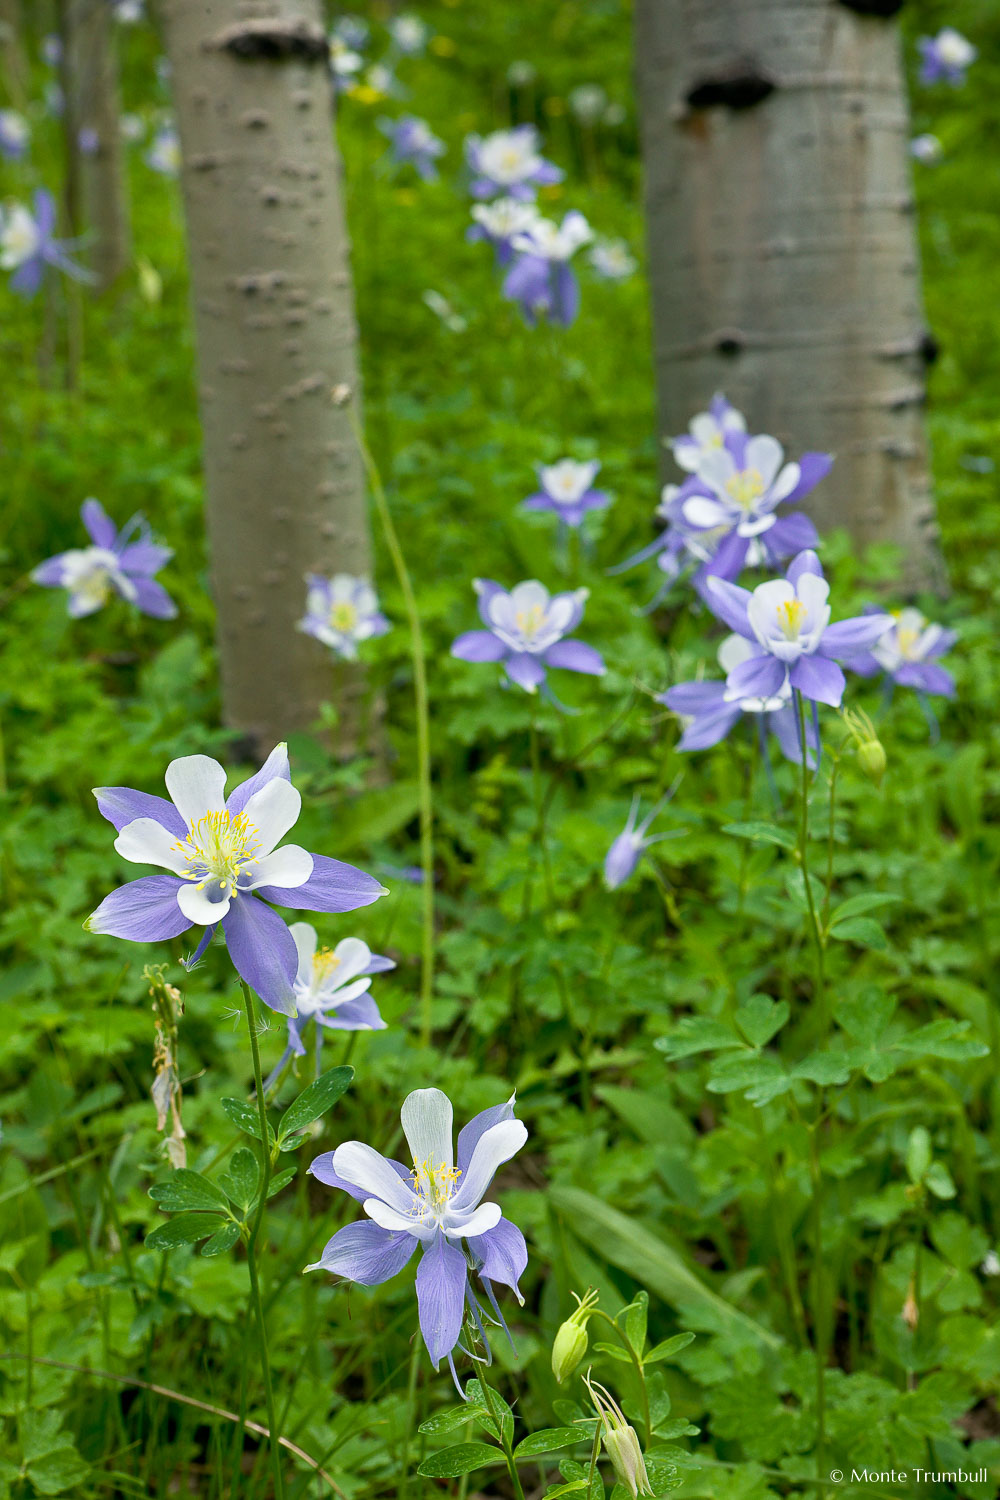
(505, 1443)
(252, 1244)
(426, 802)
(817, 935)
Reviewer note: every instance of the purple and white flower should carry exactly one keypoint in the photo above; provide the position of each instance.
(413, 144)
(164, 154)
(568, 490)
(945, 57)
(128, 12)
(728, 510)
(627, 849)
(436, 1204)
(525, 631)
(498, 223)
(342, 611)
(331, 989)
(224, 863)
(352, 31)
(508, 163)
(541, 280)
(613, 260)
(907, 654)
(15, 134)
(28, 245)
(120, 562)
(927, 149)
(707, 431)
(408, 35)
(708, 710)
(787, 620)
(345, 63)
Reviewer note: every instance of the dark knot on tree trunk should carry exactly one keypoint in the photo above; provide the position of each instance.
(729, 342)
(741, 88)
(930, 349)
(883, 8)
(273, 41)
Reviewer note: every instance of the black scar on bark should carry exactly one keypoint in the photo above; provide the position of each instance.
(930, 349)
(740, 89)
(729, 344)
(884, 8)
(271, 41)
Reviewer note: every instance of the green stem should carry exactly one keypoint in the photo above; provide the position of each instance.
(817, 934)
(638, 1367)
(252, 1243)
(505, 1443)
(829, 840)
(426, 801)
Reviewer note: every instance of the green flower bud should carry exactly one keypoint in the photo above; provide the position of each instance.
(571, 1339)
(621, 1442)
(869, 748)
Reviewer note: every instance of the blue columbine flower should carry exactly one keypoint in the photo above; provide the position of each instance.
(499, 222)
(542, 281)
(945, 57)
(437, 1204)
(331, 989)
(613, 260)
(568, 490)
(631, 843)
(413, 143)
(788, 622)
(707, 431)
(525, 630)
(342, 611)
(121, 562)
(508, 163)
(164, 154)
(15, 134)
(907, 654)
(28, 245)
(224, 865)
(708, 710)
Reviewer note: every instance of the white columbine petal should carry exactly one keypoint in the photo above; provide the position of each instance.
(197, 785)
(494, 1147)
(764, 453)
(287, 867)
(272, 811)
(427, 1124)
(486, 1216)
(389, 1218)
(364, 1167)
(146, 842)
(353, 957)
(204, 905)
(304, 938)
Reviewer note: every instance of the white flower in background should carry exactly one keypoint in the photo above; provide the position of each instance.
(588, 101)
(926, 148)
(613, 260)
(409, 34)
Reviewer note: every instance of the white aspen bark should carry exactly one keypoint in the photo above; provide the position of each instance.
(98, 202)
(783, 254)
(274, 318)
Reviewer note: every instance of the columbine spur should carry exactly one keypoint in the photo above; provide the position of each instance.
(525, 630)
(224, 865)
(121, 562)
(436, 1203)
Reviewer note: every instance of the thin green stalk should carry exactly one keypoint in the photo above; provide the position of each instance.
(411, 1411)
(426, 802)
(505, 1443)
(817, 934)
(252, 1242)
(637, 1366)
(829, 839)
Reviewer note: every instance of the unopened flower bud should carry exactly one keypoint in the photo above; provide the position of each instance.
(570, 1343)
(621, 1442)
(872, 760)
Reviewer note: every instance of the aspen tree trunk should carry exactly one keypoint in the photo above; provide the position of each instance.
(274, 318)
(96, 188)
(782, 246)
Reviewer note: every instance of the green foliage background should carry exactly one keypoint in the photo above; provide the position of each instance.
(668, 1110)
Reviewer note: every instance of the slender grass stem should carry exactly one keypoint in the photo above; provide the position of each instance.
(252, 1245)
(420, 699)
(505, 1442)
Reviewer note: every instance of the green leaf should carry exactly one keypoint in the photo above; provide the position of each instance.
(858, 906)
(187, 1190)
(222, 1240)
(624, 1241)
(668, 1348)
(824, 1068)
(58, 1471)
(861, 930)
(697, 1034)
(762, 1075)
(553, 1440)
(474, 1390)
(760, 1017)
(680, 1427)
(918, 1153)
(246, 1118)
(635, 1322)
(947, 1039)
(280, 1180)
(314, 1101)
(614, 1351)
(451, 1418)
(939, 1180)
(184, 1230)
(795, 885)
(865, 1014)
(762, 833)
(573, 1488)
(462, 1459)
(240, 1182)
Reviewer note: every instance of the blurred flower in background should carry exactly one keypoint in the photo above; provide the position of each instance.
(945, 57)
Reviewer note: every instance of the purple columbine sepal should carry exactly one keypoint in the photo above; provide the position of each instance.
(414, 144)
(525, 631)
(542, 281)
(788, 623)
(627, 849)
(436, 1203)
(224, 865)
(28, 245)
(121, 562)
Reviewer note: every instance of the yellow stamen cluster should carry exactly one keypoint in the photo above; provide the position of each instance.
(435, 1182)
(745, 487)
(530, 621)
(324, 962)
(343, 616)
(906, 640)
(217, 848)
(790, 617)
